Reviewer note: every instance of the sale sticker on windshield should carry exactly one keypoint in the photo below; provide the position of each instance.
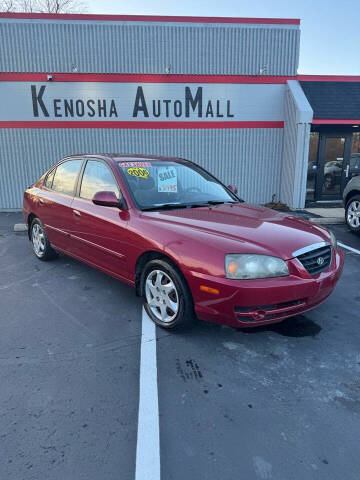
(134, 164)
(167, 179)
(138, 172)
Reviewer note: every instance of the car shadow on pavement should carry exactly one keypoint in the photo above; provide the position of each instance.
(294, 327)
(299, 326)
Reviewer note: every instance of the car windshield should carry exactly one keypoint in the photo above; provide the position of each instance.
(162, 184)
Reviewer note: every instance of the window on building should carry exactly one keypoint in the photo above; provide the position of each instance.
(312, 165)
(333, 166)
(355, 147)
(65, 176)
(354, 167)
(97, 178)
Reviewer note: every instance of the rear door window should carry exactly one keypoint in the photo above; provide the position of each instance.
(97, 178)
(65, 176)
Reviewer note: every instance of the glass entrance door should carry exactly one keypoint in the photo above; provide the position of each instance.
(332, 171)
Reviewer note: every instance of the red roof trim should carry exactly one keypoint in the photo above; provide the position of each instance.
(149, 18)
(140, 78)
(327, 121)
(172, 78)
(142, 125)
(329, 78)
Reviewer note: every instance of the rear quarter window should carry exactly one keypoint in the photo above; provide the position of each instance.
(49, 179)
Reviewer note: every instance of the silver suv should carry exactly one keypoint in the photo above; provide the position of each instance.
(351, 198)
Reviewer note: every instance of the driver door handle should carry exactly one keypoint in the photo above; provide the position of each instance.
(76, 213)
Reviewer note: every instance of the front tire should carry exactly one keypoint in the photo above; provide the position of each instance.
(40, 243)
(167, 298)
(352, 213)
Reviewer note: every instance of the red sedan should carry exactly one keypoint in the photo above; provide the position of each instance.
(188, 244)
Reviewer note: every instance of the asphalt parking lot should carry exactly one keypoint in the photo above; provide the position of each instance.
(281, 402)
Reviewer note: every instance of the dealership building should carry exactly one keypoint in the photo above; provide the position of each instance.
(222, 92)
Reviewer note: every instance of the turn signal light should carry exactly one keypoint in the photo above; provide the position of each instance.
(204, 288)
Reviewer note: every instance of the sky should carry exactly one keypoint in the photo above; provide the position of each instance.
(330, 32)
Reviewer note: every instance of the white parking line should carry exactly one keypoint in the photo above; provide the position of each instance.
(148, 440)
(351, 249)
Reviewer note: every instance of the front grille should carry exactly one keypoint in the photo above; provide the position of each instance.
(317, 260)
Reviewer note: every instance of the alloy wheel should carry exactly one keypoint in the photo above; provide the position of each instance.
(38, 239)
(353, 214)
(161, 296)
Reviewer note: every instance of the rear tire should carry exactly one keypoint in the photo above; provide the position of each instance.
(40, 243)
(352, 213)
(167, 298)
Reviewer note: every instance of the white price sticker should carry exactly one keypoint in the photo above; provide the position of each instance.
(167, 179)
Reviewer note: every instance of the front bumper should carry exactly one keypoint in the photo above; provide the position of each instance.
(248, 303)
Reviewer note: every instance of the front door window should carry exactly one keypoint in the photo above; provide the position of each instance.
(97, 177)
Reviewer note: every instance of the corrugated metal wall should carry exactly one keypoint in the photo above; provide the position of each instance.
(120, 47)
(248, 158)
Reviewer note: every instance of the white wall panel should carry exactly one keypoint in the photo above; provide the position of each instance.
(298, 117)
(130, 47)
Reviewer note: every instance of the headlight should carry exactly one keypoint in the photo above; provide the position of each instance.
(333, 240)
(248, 266)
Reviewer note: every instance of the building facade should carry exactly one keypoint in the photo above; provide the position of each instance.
(222, 92)
(334, 154)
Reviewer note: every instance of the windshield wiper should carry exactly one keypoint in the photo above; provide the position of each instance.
(205, 204)
(165, 206)
(209, 202)
(169, 206)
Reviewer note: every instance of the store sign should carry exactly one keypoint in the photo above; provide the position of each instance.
(96, 101)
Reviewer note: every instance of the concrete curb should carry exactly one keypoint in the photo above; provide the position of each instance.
(327, 220)
(20, 227)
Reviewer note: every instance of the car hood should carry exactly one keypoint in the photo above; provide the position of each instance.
(248, 228)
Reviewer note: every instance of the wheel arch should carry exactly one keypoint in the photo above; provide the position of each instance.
(349, 195)
(146, 257)
(30, 218)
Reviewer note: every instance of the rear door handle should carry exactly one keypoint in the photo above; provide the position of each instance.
(41, 201)
(76, 213)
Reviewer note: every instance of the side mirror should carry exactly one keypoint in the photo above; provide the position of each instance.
(233, 189)
(106, 199)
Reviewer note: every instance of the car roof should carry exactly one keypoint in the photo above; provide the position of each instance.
(128, 156)
(116, 156)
